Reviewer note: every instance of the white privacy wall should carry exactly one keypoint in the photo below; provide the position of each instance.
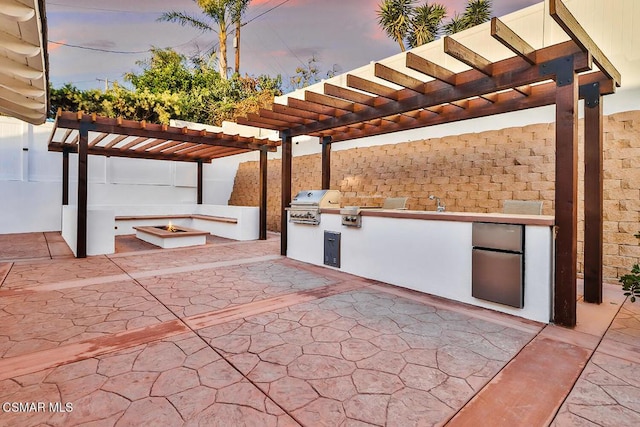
(30, 177)
(31, 180)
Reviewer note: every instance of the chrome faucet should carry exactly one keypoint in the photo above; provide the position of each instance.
(440, 207)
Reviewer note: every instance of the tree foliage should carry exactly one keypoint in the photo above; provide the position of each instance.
(413, 25)
(170, 87)
(219, 14)
(631, 281)
(311, 73)
(394, 16)
(426, 23)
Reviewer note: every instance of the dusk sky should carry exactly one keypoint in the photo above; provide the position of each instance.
(344, 33)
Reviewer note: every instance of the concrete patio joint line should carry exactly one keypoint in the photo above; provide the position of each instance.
(34, 362)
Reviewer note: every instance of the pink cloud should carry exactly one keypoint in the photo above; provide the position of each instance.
(279, 53)
(51, 47)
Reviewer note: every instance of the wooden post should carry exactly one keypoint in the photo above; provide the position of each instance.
(593, 197)
(566, 195)
(83, 157)
(263, 196)
(286, 189)
(326, 162)
(199, 196)
(65, 177)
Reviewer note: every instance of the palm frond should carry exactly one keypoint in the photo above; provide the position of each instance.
(185, 20)
(455, 25)
(477, 12)
(394, 16)
(425, 23)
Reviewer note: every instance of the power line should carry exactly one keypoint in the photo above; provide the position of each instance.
(100, 9)
(133, 52)
(265, 12)
(97, 49)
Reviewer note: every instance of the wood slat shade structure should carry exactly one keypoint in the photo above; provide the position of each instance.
(23, 60)
(116, 137)
(89, 134)
(423, 93)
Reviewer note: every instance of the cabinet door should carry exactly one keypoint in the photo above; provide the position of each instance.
(498, 277)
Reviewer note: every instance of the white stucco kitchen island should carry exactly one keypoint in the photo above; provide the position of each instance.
(430, 252)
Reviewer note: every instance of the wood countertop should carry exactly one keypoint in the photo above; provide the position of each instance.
(501, 218)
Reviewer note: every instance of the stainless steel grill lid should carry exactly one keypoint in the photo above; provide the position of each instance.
(306, 205)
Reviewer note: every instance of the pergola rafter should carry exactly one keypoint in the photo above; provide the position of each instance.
(422, 92)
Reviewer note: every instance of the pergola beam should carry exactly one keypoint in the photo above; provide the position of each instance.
(289, 118)
(67, 120)
(290, 111)
(329, 101)
(445, 94)
(372, 87)
(540, 95)
(430, 69)
(467, 56)
(98, 151)
(350, 95)
(314, 107)
(561, 14)
(505, 35)
(394, 76)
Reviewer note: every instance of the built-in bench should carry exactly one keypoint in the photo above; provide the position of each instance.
(170, 217)
(104, 222)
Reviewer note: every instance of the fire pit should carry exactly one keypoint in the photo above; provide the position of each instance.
(171, 236)
(170, 228)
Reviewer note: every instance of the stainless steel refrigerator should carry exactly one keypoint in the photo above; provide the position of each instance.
(498, 263)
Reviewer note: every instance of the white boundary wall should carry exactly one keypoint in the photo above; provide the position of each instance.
(30, 176)
(31, 180)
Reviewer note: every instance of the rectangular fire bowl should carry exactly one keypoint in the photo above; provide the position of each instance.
(181, 237)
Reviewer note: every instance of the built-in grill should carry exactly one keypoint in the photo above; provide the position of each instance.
(305, 207)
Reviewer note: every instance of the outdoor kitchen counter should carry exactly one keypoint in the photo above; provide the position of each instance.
(545, 220)
(430, 252)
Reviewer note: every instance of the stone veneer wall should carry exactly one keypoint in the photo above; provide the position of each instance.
(475, 173)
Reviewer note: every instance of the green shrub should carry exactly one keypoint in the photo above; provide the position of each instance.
(631, 282)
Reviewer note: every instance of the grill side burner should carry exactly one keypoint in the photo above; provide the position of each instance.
(305, 207)
(351, 216)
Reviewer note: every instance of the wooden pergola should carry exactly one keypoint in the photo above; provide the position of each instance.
(89, 134)
(423, 93)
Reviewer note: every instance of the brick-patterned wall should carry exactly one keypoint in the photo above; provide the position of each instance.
(474, 173)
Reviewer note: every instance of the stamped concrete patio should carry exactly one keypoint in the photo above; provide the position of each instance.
(231, 333)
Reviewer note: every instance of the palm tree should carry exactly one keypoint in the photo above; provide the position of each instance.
(221, 12)
(426, 23)
(422, 24)
(477, 12)
(394, 16)
(238, 8)
(455, 25)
